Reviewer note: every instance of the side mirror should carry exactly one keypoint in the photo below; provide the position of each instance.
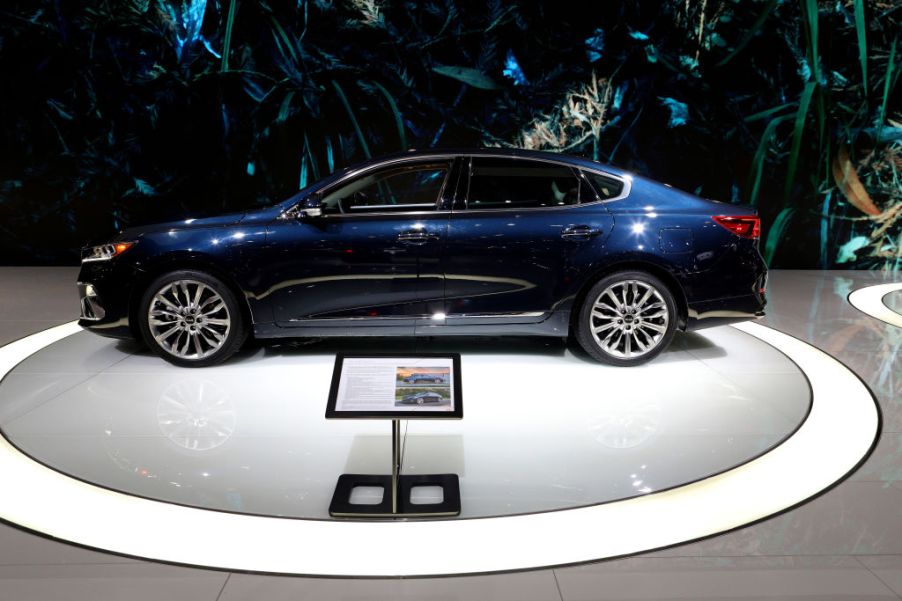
(312, 206)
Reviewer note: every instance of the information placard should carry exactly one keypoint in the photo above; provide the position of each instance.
(415, 386)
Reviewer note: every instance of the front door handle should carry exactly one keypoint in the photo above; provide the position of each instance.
(416, 237)
(579, 232)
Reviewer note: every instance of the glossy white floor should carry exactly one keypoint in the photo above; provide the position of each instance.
(819, 557)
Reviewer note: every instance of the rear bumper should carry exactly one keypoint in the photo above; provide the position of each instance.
(725, 310)
(734, 291)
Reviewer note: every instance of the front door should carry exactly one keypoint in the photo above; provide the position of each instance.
(372, 257)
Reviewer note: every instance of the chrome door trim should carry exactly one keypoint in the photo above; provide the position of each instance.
(627, 181)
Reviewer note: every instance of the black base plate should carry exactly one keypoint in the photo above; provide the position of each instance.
(341, 505)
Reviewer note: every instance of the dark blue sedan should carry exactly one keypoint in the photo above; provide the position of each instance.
(437, 243)
(432, 378)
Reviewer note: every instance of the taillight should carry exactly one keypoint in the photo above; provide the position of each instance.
(744, 226)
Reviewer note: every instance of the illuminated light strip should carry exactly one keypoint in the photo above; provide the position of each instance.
(837, 434)
(869, 300)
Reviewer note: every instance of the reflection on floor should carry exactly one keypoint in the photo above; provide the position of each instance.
(846, 544)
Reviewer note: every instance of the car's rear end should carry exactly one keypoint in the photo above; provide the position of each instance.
(723, 274)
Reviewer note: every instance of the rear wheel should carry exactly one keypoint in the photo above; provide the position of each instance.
(627, 318)
(191, 319)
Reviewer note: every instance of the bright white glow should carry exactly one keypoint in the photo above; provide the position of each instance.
(870, 300)
(638, 228)
(438, 316)
(238, 235)
(190, 221)
(838, 432)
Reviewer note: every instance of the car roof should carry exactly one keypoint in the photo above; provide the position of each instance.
(558, 157)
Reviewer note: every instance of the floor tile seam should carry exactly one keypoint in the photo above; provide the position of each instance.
(756, 556)
(57, 564)
(224, 585)
(557, 585)
(874, 574)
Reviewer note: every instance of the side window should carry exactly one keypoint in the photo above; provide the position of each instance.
(606, 187)
(402, 188)
(499, 183)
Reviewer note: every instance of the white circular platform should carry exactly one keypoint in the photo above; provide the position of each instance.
(561, 460)
(880, 302)
(893, 300)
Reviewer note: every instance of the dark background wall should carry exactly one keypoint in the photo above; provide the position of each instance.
(115, 113)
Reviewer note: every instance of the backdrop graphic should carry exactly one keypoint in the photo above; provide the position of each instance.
(122, 112)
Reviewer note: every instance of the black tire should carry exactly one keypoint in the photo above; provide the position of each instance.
(233, 335)
(585, 322)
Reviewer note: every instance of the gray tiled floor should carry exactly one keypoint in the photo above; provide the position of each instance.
(741, 578)
(527, 586)
(35, 298)
(847, 544)
(128, 582)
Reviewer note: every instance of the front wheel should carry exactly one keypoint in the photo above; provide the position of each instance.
(191, 319)
(626, 319)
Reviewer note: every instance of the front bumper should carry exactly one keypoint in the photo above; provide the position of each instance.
(104, 292)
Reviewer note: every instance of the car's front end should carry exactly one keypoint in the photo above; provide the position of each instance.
(105, 285)
(114, 274)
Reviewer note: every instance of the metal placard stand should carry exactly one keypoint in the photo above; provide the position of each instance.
(444, 372)
(396, 490)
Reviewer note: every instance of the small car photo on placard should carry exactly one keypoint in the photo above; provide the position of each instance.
(420, 376)
(436, 397)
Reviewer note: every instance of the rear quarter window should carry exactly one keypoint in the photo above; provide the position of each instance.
(606, 187)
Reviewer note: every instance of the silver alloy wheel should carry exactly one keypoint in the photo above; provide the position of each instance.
(188, 319)
(629, 319)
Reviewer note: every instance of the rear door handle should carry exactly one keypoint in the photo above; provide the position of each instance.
(579, 232)
(416, 237)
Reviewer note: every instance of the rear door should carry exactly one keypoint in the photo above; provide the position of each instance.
(507, 257)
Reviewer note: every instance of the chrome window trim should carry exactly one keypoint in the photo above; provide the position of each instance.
(413, 204)
(383, 214)
(627, 181)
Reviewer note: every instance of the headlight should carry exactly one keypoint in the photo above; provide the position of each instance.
(104, 252)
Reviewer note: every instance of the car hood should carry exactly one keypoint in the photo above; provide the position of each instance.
(182, 224)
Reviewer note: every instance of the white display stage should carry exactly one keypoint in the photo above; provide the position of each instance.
(543, 429)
